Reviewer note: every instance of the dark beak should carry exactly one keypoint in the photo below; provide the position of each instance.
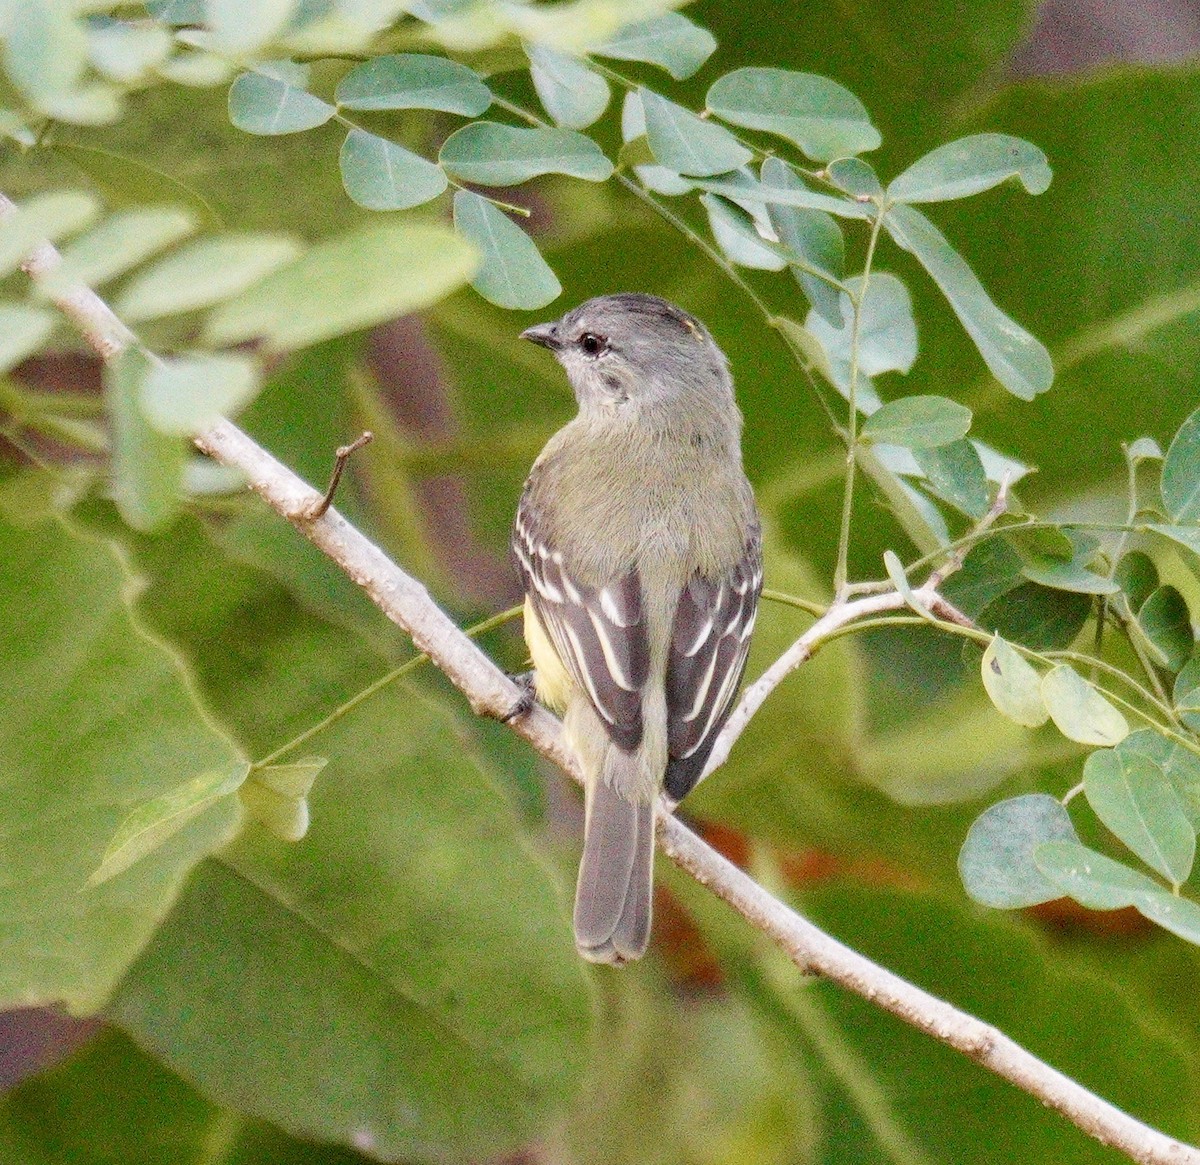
(544, 334)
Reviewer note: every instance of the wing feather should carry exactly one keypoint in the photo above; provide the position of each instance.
(598, 632)
(710, 641)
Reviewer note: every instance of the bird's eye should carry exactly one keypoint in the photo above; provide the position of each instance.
(592, 344)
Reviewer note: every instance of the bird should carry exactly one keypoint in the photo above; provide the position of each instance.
(639, 547)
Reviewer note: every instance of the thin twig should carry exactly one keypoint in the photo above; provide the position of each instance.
(343, 455)
(490, 692)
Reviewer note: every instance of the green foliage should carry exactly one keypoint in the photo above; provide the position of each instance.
(377, 958)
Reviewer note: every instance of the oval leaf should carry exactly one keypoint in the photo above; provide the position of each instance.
(813, 237)
(1017, 360)
(969, 166)
(1181, 473)
(919, 422)
(346, 283)
(1013, 684)
(670, 41)
(1167, 626)
(46, 216)
(569, 91)
(381, 175)
(272, 100)
(147, 465)
(687, 144)
(152, 823)
(204, 273)
(996, 860)
(1137, 576)
(1079, 711)
(1180, 764)
(820, 116)
(512, 272)
(492, 154)
(1137, 801)
(1186, 694)
(186, 394)
(241, 26)
(22, 332)
(414, 81)
(121, 241)
(955, 474)
(1090, 878)
(736, 235)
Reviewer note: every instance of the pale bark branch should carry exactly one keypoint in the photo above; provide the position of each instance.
(491, 693)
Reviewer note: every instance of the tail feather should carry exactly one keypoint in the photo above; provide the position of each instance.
(613, 896)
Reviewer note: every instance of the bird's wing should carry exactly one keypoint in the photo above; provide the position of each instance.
(598, 632)
(710, 640)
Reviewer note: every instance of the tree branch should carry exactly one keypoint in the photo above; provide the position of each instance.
(490, 692)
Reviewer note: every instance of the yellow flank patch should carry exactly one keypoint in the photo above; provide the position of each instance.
(554, 683)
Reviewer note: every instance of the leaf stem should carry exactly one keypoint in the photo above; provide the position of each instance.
(856, 299)
(378, 685)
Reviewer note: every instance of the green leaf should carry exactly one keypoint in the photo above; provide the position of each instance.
(1137, 801)
(45, 51)
(887, 332)
(1069, 575)
(996, 861)
(512, 272)
(124, 51)
(242, 26)
(206, 272)
(345, 283)
(1181, 473)
(23, 330)
(96, 717)
(1013, 684)
(41, 218)
(685, 143)
(1090, 878)
(793, 194)
(422, 957)
(821, 117)
(899, 579)
(670, 41)
(154, 822)
(276, 796)
(147, 465)
(569, 91)
(1138, 578)
(1014, 357)
(1186, 536)
(969, 166)
(855, 177)
(736, 235)
(918, 422)
(1144, 449)
(381, 175)
(1181, 916)
(955, 473)
(1036, 616)
(272, 100)
(1175, 759)
(1186, 694)
(492, 154)
(120, 242)
(1167, 626)
(186, 394)
(814, 237)
(1079, 711)
(414, 81)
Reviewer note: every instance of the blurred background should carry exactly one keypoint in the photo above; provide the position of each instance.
(855, 787)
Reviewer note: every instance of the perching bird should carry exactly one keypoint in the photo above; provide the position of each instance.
(638, 543)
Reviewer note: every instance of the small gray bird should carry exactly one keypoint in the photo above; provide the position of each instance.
(639, 547)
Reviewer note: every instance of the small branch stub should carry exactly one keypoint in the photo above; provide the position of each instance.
(343, 454)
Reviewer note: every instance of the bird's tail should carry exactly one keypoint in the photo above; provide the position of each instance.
(612, 898)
